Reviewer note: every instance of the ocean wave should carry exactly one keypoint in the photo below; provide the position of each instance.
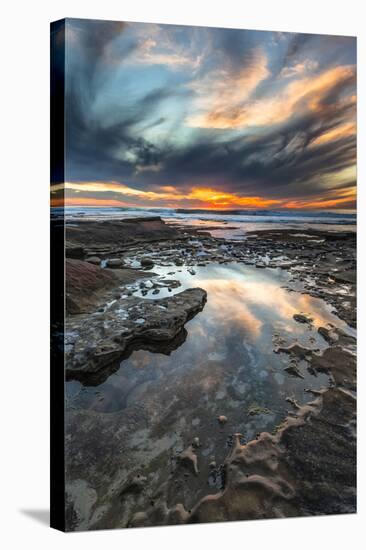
(233, 216)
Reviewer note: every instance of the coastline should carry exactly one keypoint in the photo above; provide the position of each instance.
(121, 262)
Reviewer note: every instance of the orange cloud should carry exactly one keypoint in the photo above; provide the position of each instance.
(203, 197)
(120, 188)
(345, 130)
(301, 94)
(221, 93)
(331, 200)
(151, 54)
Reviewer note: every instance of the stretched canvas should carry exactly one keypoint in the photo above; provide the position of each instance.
(203, 224)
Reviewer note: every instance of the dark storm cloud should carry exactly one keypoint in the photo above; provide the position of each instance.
(326, 50)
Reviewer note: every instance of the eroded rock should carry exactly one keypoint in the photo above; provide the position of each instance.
(103, 338)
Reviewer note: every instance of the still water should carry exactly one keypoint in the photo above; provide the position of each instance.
(227, 364)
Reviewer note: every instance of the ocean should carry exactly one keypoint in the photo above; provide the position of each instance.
(225, 223)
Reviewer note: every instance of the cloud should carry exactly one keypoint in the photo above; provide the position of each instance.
(222, 93)
(117, 194)
(299, 69)
(339, 132)
(260, 116)
(149, 52)
(309, 93)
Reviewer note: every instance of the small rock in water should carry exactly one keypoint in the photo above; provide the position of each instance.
(294, 371)
(328, 334)
(254, 410)
(135, 264)
(222, 419)
(301, 318)
(146, 262)
(114, 262)
(196, 442)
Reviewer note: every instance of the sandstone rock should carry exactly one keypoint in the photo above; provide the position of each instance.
(89, 286)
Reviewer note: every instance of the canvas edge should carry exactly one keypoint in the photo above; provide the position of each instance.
(57, 263)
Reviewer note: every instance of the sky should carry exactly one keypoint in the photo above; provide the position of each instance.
(197, 117)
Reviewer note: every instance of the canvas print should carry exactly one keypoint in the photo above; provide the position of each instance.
(203, 218)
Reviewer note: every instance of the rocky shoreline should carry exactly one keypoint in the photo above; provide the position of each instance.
(306, 467)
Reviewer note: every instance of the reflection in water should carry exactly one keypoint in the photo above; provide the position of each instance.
(226, 365)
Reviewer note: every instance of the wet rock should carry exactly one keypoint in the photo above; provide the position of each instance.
(329, 335)
(146, 262)
(299, 471)
(255, 410)
(160, 515)
(293, 370)
(295, 350)
(135, 485)
(293, 402)
(188, 459)
(104, 338)
(302, 318)
(147, 284)
(222, 419)
(333, 361)
(171, 283)
(196, 442)
(114, 262)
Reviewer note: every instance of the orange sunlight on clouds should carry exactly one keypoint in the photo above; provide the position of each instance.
(199, 197)
(303, 93)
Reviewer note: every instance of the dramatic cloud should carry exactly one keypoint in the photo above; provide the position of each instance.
(160, 115)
